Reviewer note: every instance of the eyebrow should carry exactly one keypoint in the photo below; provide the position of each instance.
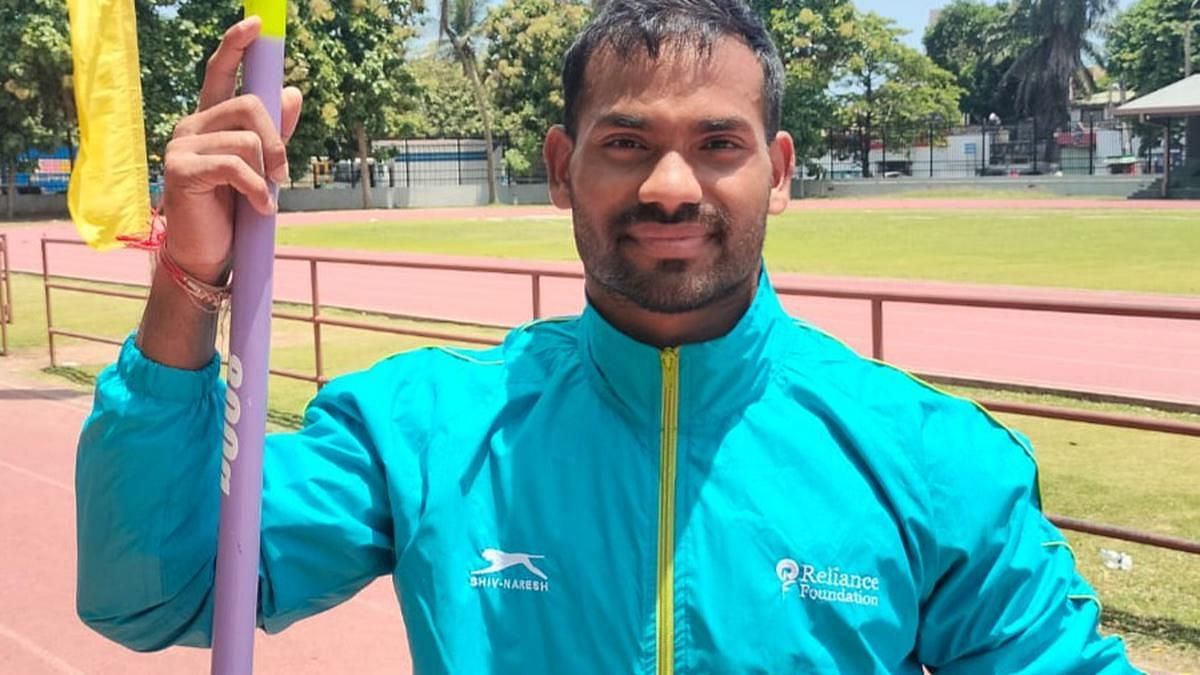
(723, 124)
(716, 124)
(622, 121)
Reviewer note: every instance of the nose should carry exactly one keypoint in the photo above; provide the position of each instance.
(671, 184)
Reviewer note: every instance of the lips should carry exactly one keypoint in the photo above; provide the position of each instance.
(683, 240)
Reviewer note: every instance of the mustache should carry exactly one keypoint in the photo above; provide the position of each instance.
(714, 218)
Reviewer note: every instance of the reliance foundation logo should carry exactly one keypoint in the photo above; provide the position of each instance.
(827, 584)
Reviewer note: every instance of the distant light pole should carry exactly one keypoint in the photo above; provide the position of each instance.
(983, 154)
(1091, 142)
(934, 121)
(993, 120)
(983, 147)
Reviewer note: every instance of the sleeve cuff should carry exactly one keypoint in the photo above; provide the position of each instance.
(150, 378)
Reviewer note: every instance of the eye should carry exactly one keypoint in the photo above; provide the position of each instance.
(721, 144)
(623, 144)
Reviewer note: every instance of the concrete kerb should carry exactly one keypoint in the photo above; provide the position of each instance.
(1049, 188)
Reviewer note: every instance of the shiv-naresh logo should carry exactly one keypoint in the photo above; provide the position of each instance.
(492, 576)
(827, 584)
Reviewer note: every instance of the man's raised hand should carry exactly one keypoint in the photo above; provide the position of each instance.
(228, 146)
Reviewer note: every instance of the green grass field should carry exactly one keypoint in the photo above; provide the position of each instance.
(1137, 250)
(1122, 477)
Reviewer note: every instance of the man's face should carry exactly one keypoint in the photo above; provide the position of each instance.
(670, 176)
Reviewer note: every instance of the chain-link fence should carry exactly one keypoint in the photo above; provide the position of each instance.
(935, 150)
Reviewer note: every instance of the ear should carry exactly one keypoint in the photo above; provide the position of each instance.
(783, 164)
(556, 153)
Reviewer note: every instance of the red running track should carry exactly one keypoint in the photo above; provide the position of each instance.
(39, 633)
(1139, 358)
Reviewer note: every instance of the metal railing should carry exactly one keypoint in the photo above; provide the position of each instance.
(876, 299)
(6, 301)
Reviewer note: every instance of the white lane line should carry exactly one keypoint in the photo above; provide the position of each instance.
(30, 646)
(37, 476)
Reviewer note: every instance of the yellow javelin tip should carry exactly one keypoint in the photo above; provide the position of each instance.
(273, 14)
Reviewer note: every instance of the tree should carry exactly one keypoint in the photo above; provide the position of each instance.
(365, 41)
(168, 53)
(1145, 53)
(34, 82)
(309, 66)
(814, 38)
(970, 40)
(459, 21)
(889, 87)
(445, 106)
(1055, 35)
(526, 43)
(348, 59)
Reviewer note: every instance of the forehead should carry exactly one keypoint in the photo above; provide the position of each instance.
(683, 83)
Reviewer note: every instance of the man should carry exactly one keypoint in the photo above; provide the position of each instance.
(682, 479)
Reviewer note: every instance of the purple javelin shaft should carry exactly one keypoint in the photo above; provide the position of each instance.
(246, 401)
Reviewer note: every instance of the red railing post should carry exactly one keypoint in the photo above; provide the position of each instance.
(6, 272)
(877, 329)
(536, 280)
(316, 322)
(5, 295)
(49, 315)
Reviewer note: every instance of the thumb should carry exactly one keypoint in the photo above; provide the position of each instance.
(290, 103)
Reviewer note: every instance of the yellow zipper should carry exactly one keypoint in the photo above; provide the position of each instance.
(666, 512)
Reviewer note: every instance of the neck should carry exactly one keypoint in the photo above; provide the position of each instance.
(671, 330)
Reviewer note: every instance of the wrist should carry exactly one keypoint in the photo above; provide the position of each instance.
(212, 273)
(203, 294)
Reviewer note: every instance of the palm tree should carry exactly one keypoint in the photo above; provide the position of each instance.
(1055, 38)
(459, 22)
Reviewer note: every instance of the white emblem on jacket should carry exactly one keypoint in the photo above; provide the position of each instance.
(501, 561)
(828, 584)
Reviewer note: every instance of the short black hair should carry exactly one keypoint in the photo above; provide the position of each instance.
(624, 25)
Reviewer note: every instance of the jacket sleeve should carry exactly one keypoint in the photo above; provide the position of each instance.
(147, 500)
(1003, 595)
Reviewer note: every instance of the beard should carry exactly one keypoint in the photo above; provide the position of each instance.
(671, 286)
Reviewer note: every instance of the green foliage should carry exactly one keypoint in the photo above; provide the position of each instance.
(168, 53)
(346, 56)
(526, 42)
(445, 106)
(813, 37)
(364, 42)
(459, 22)
(1145, 52)
(970, 40)
(1145, 44)
(1055, 37)
(891, 90)
(34, 76)
(844, 68)
(308, 67)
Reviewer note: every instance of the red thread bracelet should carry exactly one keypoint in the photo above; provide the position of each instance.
(204, 296)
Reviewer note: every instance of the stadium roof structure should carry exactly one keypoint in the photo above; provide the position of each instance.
(1181, 99)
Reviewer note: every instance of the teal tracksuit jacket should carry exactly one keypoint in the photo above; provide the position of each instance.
(576, 502)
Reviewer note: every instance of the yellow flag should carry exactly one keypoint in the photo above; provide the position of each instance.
(109, 194)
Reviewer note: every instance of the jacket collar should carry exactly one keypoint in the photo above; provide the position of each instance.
(716, 378)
